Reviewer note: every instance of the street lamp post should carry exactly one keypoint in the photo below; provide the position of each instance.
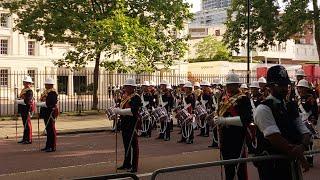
(248, 41)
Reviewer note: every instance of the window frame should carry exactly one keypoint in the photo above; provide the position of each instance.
(1, 77)
(2, 48)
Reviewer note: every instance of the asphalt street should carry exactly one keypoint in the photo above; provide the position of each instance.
(94, 154)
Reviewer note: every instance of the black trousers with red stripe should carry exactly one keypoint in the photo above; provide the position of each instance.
(51, 133)
(27, 127)
(131, 150)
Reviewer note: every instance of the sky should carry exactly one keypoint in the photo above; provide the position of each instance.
(196, 5)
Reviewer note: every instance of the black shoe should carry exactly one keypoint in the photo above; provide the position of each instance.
(159, 137)
(123, 168)
(132, 170)
(167, 139)
(190, 142)
(50, 150)
(310, 160)
(44, 149)
(26, 142)
(213, 146)
(182, 141)
(21, 142)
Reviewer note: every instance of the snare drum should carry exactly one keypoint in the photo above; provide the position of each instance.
(144, 114)
(183, 115)
(110, 113)
(159, 114)
(200, 112)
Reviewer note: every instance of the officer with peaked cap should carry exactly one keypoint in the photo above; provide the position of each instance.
(129, 113)
(281, 130)
(49, 112)
(26, 107)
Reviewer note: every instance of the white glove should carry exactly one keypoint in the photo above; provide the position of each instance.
(123, 112)
(20, 101)
(41, 104)
(232, 121)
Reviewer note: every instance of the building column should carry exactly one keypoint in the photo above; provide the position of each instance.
(70, 84)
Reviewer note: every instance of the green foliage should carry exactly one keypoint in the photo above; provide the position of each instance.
(141, 30)
(211, 48)
(267, 25)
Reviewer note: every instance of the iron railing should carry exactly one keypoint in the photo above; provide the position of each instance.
(222, 163)
(76, 88)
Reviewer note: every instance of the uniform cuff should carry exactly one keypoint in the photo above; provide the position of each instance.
(270, 130)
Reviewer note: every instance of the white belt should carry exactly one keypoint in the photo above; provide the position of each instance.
(41, 104)
(20, 101)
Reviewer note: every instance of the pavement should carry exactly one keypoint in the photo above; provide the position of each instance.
(65, 124)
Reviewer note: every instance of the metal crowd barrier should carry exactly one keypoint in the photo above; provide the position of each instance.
(111, 176)
(221, 163)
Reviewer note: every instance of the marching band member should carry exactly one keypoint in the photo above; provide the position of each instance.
(147, 100)
(280, 129)
(244, 89)
(154, 102)
(255, 95)
(129, 112)
(299, 76)
(190, 101)
(25, 108)
(308, 111)
(206, 99)
(165, 100)
(233, 117)
(197, 89)
(263, 87)
(49, 112)
(218, 92)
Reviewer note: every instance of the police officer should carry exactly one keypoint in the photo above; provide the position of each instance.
(129, 112)
(233, 117)
(308, 110)
(26, 107)
(281, 130)
(49, 112)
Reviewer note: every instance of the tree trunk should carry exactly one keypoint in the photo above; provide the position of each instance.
(96, 82)
(316, 23)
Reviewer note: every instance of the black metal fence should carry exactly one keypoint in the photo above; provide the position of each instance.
(76, 87)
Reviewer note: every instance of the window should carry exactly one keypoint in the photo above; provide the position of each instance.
(31, 48)
(4, 20)
(3, 46)
(217, 32)
(32, 74)
(4, 77)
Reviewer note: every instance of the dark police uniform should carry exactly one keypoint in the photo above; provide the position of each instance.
(49, 114)
(129, 130)
(232, 138)
(25, 112)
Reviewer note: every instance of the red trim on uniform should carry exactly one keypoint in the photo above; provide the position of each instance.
(29, 127)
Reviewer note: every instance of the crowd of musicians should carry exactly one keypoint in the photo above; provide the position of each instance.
(273, 115)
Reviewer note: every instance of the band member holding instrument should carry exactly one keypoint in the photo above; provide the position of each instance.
(26, 107)
(147, 100)
(263, 87)
(129, 112)
(165, 100)
(233, 117)
(308, 110)
(189, 104)
(49, 112)
(206, 99)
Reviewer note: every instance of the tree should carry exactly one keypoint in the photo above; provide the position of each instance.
(211, 48)
(267, 25)
(98, 29)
